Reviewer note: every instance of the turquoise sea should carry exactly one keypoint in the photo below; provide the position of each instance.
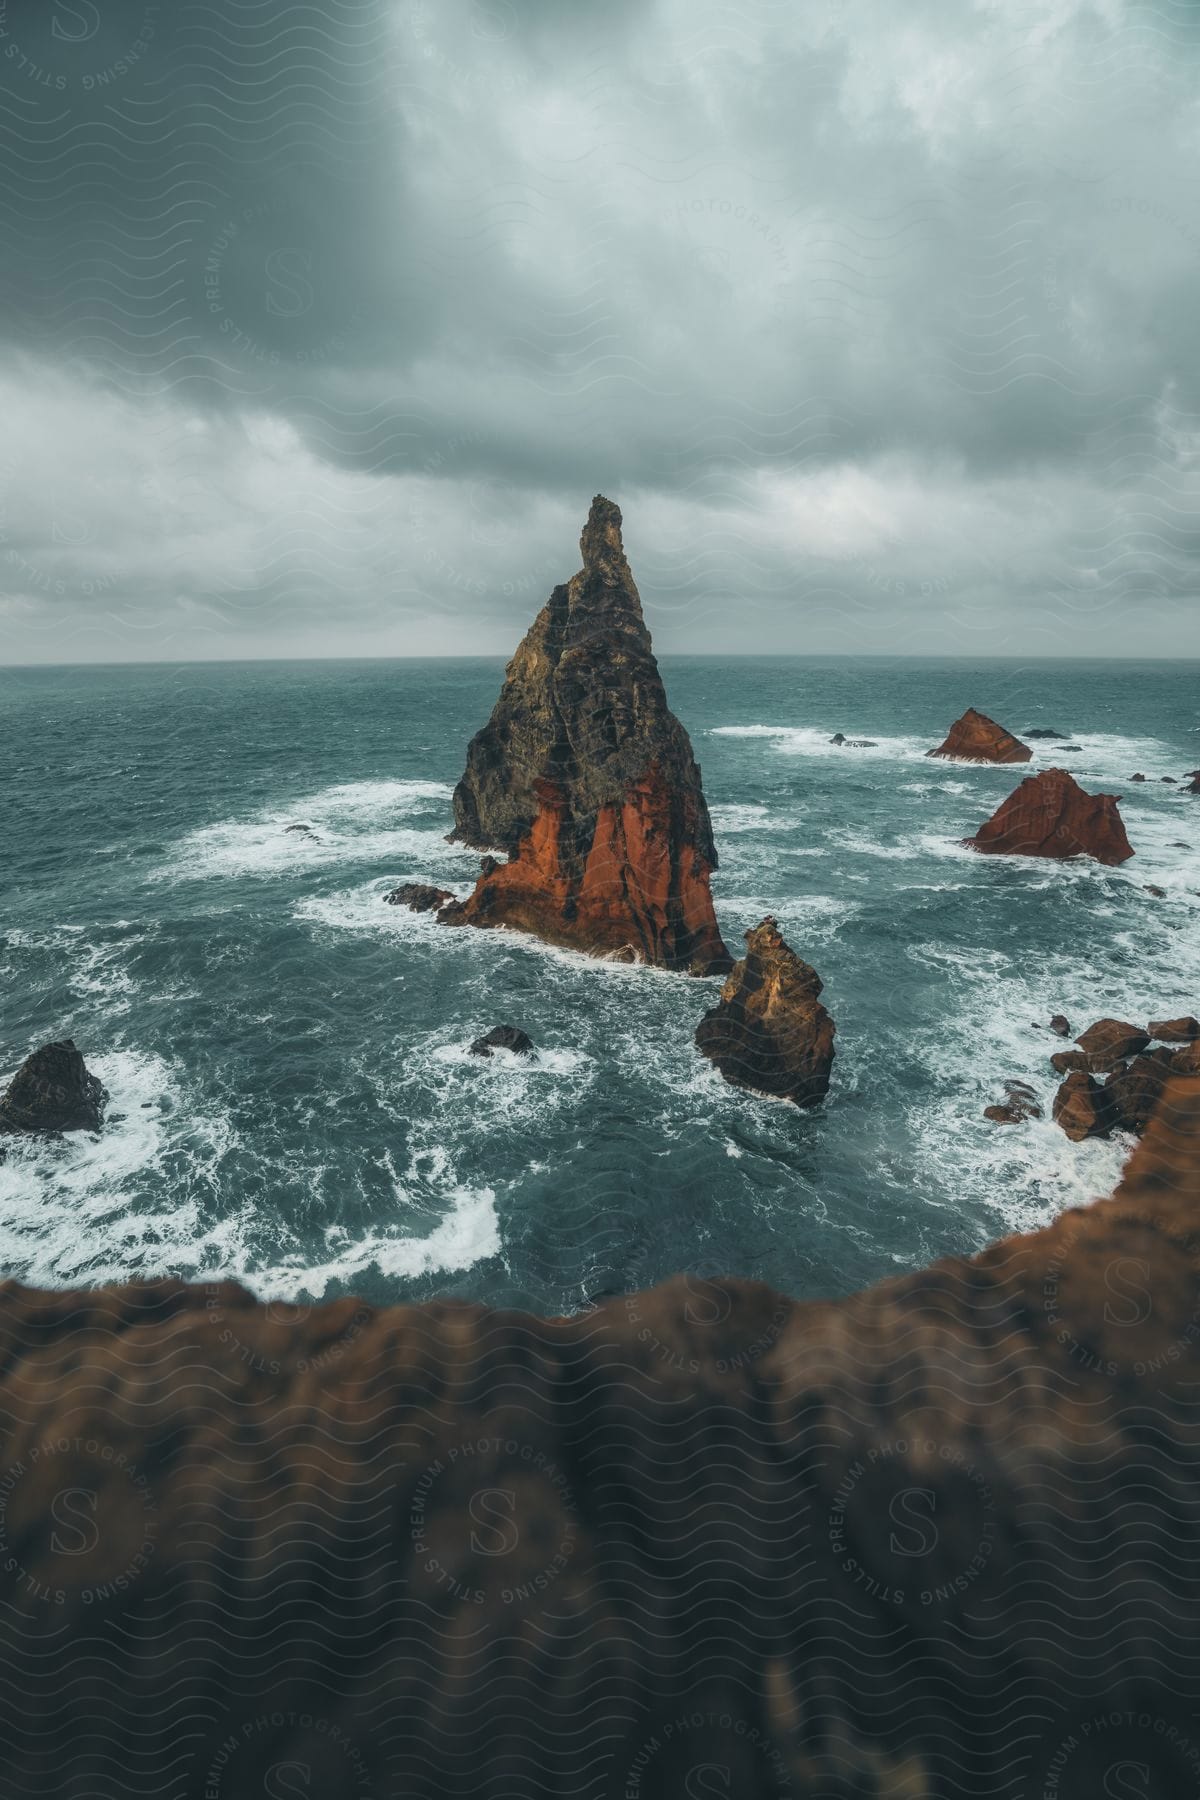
(292, 1099)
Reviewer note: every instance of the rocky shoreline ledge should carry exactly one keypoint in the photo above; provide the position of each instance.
(847, 1548)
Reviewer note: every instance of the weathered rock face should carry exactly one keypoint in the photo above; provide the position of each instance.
(1193, 782)
(1175, 1031)
(52, 1091)
(428, 1551)
(1083, 1107)
(769, 1030)
(1135, 1092)
(586, 778)
(976, 738)
(1109, 1041)
(1136, 1075)
(1050, 815)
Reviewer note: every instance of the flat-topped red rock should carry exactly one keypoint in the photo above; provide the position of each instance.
(1051, 815)
(976, 738)
(587, 780)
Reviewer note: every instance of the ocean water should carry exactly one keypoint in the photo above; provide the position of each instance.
(292, 1100)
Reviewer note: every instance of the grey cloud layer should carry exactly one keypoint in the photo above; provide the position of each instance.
(323, 322)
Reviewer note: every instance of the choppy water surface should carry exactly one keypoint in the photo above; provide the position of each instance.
(292, 1101)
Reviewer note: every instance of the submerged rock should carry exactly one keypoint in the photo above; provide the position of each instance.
(418, 896)
(769, 1030)
(1043, 731)
(53, 1091)
(844, 742)
(976, 738)
(1050, 815)
(503, 1037)
(586, 778)
(1021, 1104)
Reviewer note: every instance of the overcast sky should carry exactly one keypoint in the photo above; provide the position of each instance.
(321, 323)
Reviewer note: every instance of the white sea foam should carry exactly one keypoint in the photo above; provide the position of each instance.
(1103, 757)
(808, 740)
(351, 821)
(468, 1233)
(63, 1201)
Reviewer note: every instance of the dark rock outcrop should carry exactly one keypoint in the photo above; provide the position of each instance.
(1109, 1041)
(1135, 1091)
(1060, 1025)
(587, 780)
(1083, 1107)
(1175, 1031)
(442, 1550)
(1043, 731)
(843, 742)
(976, 738)
(52, 1091)
(769, 1030)
(418, 896)
(1136, 1075)
(1193, 781)
(1050, 815)
(1137, 778)
(503, 1037)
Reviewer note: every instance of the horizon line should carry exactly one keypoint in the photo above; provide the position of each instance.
(186, 662)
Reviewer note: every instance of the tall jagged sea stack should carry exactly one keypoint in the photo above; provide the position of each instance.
(586, 779)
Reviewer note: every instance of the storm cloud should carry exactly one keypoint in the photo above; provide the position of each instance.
(322, 323)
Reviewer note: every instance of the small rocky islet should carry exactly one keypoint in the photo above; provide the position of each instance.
(53, 1091)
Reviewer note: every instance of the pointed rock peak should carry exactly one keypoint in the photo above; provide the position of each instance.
(600, 544)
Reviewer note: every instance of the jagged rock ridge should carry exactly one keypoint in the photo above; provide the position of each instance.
(586, 779)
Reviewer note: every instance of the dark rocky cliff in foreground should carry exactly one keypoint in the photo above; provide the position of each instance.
(587, 780)
(940, 1538)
